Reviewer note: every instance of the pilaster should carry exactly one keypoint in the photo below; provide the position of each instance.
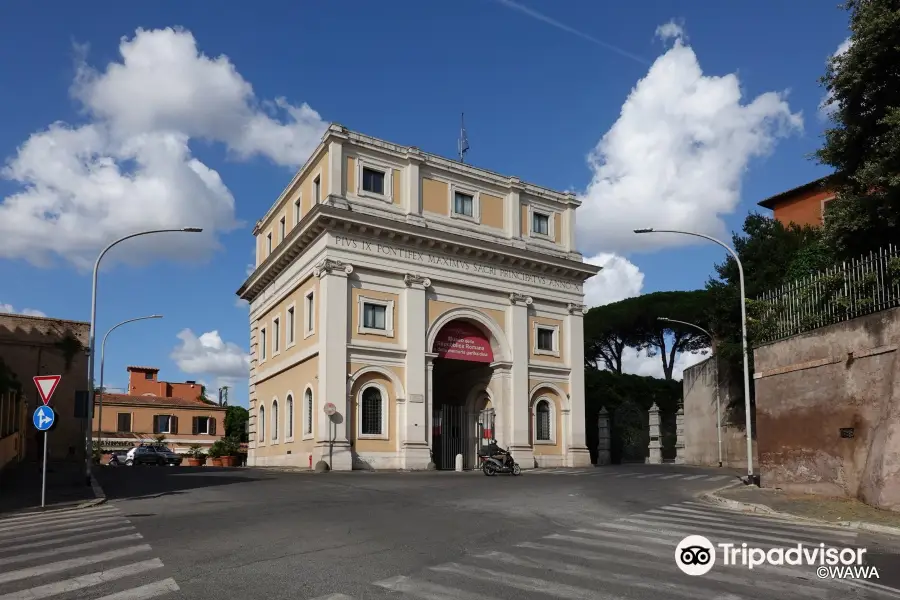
(412, 195)
(513, 212)
(570, 224)
(518, 409)
(577, 454)
(332, 442)
(336, 168)
(416, 418)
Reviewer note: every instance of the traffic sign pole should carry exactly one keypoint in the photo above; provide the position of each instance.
(43, 420)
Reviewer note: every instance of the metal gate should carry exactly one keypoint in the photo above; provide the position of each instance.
(485, 429)
(450, 431)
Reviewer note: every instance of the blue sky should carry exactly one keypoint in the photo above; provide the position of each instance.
(539, 97)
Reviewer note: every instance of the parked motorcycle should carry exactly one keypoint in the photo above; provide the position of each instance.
(496, 460)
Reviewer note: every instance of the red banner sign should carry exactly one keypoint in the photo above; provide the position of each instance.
(462, 341)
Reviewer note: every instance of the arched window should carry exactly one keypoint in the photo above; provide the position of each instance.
(542, 414)
(289, 417)
(308, 408)
(274, 420)
(371, 412)
(261, 425)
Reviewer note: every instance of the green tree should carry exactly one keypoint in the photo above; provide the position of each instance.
(772, 254)
(236, 419)
(863, 142)
(608, 330)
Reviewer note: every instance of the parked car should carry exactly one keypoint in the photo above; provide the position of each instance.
(151, 455)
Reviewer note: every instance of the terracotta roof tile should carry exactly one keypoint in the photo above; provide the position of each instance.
(158, 400)
(136, 368)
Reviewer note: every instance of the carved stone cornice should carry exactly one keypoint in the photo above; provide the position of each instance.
(520, 299)
(575, 309)
(328, 266)
(417, 281)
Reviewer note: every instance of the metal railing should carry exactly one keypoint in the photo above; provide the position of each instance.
(845, 291)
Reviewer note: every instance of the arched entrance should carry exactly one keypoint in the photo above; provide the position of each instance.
(461, 404)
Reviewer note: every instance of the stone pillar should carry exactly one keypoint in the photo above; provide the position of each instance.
(517, 408)
(501, 386)
(577, 453)
(336, 177)
(417, 420)
(679, 435)
(513, 228)
(332, 442)
(603, 436)
(655, 446)
(429, 405)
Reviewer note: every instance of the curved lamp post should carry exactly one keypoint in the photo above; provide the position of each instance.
(92, 342)
(716, 354)
(102, 363)
(748, 428)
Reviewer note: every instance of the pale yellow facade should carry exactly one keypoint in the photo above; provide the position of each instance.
(406, 307)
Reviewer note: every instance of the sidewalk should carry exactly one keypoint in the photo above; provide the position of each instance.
(841, 511)
(20, 487)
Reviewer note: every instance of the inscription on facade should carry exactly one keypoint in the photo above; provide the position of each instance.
(467, 266)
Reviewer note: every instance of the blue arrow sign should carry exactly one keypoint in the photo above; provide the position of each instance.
(43, 418)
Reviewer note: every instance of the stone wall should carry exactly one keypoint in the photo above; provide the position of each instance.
(828, 409)
(701, 442)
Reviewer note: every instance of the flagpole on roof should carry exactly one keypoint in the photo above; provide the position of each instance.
(463, 143)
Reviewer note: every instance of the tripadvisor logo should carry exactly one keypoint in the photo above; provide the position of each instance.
(695, 555)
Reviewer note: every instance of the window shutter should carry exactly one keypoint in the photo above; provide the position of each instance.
(194, 425)
(155, 423)
(212, 426)
(173, 424)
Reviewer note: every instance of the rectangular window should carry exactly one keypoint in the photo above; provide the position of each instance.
(373, 181)
(317, 190)
(276, 335)
(282, 229)
(262, 344)
(163, 424)
(463, 204)
(374, 316)
(124, 423)
(148, 376)
(268, 243)
(204, 426)
(297, 210)
(290, 325)
(540, 224)
(310, 313)
(545, 339)
(309, 412)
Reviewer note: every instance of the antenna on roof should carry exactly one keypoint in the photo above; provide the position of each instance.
(463, 143)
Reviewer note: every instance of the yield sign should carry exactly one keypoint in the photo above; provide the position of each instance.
(46, 385)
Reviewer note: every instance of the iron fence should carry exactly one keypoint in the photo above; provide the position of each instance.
(845, 291)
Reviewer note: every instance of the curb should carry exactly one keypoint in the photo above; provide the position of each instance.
(99, 495)
(749, 507)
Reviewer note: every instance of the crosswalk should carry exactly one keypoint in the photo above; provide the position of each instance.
(617, 474)
(95, 552)
(632, 557)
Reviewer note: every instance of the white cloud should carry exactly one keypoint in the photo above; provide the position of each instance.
(83, 185)
(670, 30)
(676, 155)
(618, 280)
(826, 109)
(28, 312)
(636, 362)
(209, 354)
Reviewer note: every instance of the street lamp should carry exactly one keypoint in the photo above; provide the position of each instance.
(102, 363)
(92, 341)
(750, 478)
(716, 355)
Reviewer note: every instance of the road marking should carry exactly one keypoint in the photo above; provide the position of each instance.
(625, 474)
(98, 524)
(64, 539)
(646, 475)
(671, 476)
(151, 590)
(714, 522)
(717, 477)
(693, 477)
(527, 584)
(28, 529)
(83, 581)
(573, 472)
(335, 597)
(57, 522)
(729, 515)
(427, 590)
(68, 549)
(71, 563)
(42, 517)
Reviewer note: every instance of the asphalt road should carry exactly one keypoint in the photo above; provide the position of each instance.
(603, 534)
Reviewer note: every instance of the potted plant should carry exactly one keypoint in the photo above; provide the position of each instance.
(195, 456)
(216, 451)
(232, 447)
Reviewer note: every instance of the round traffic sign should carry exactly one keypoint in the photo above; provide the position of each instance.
(43, 418)
(330, 409)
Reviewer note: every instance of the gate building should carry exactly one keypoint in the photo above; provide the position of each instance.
(406, 308)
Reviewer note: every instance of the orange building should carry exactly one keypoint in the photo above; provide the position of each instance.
(154, 408)
(803, 205)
